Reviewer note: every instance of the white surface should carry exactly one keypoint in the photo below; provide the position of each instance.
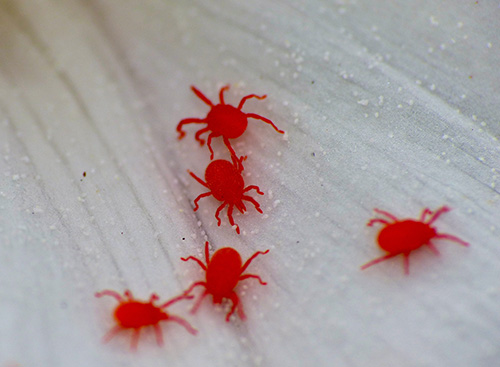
(389, 104)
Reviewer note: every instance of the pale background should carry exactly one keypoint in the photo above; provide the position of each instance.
(389, 104)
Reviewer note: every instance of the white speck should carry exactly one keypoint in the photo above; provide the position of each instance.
(433, 20)
(430, 50)
(363, 102)
(80, 199)
(411, 102)
(276, 203)
(474, 117)
(445, 137)
(489, 45)
(316, 214)
(460, 24)
(390, 135)
(376, 114)
(380, 100)
(432, 87)
(400, 106)
(286, 103)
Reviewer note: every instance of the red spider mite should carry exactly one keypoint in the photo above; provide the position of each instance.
(225, 182)
(404, 236)
(223, 273)
(223, 120)
(133, 314)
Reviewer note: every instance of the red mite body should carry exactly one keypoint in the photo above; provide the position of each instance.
(404, 236)
(225, 182)
(133, 314)
(223, 120)
(223, 273)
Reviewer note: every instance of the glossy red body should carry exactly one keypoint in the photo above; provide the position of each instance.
(401, 237)
(225, 182)
(134, 314)
(223, 120)
(223, 272)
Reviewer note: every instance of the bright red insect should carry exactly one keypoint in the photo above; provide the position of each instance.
(404, 236)
(225, 182)
(133, 314)
(223, 273)
(223, 120)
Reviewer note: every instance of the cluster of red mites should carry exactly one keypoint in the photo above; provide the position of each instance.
(225, 269)
(223, 179)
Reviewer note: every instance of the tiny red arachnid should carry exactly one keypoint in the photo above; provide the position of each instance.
(225, 182)
(223, 120)
(223, 273)
(134, 314)
(402, 236)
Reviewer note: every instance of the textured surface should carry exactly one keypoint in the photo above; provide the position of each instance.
(388, 104)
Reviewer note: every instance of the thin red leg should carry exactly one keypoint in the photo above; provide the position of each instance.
(387, 214)
(207, 256)
(406, 262)
(377, 260)
(241, 206)
(111, 333)
(230, 216)
(201, 96)
(236, 304)
(245, 265)
(209, 145)
(187, 121)
(159, 334)
(154, 297)
(233, 154)
(113, 294)
(424, 214)
(194, 285)
(217, 212)
(246, 276)
(198, 134)
(198, 179)
(198, 303)
(244, 99)
(377, 220)
(253, 187)
(433, 248)
(252, 200)
(184, 323)
(203, 266)
(196, 206)
(221, 93)
(266, 120)
(135, 339)
(438, 213)
(182, 296)
(450, 237)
